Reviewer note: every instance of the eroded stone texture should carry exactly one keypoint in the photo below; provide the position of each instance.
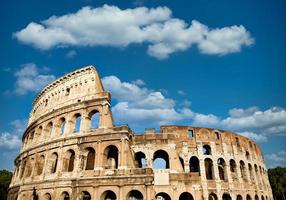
(72, 150)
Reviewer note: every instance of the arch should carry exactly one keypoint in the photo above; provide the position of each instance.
(209, 168)
(161, 160)
(232, 166)
(247, 155)
(28, 168)
(262, 197)
(226, 196)
(47, 196)
(31, 136)
(140, 159)
(111, 157)
(62, 125)
(76, 123)
(207, 150)
(251, 175)
(182, 163)
(85, 195)
(243, 170)
(134, 195)
(108, 195)
(194, 164)
(222, 169)
(49, 129)
(65, 196)
(239, 197)
(217, 135)
(69, 160)
(162, 196)
(256, 197)
(213, 196)
(186, 196)
(40, 164)
(248, 197)
(39, 131)
(90, 158)
(54, 162)
(94, 118)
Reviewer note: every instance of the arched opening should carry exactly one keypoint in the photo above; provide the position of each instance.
(65, 196)
(69, 160)
(111, 157)
(182, 163)
(62, 125)
(243, 170)
(77, 121)
(39, 131)
(23, 166)
(222, 169)
(54, 162)
(209, 169)
(247, 155)
(239, 197)
(217, 135)
(251, 172)
(108, 195)
(135, 195)
(186, 196)
(207, 150)
(47, 196)
(49, 129)
(226, 196)
(162, 196)
(32, 136)
(90, 158)
(212, 196)
(256, 197)
(94, 119)
(28, 168)
(161, 160)
(194, 164)
(40, 164)
(140, 159)
(262, 197)
(248, 197)
(85, 195)
(232, 166)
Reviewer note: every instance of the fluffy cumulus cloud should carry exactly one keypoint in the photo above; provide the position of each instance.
(142, 107)
(112, 26)
(12, 140)
(28, 79)
(276, 159)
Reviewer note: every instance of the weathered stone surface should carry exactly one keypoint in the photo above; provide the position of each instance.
(72, 150)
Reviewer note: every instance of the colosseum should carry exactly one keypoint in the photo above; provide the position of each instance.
(72, 150)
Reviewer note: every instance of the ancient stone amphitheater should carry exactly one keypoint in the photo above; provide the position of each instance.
(72, 150)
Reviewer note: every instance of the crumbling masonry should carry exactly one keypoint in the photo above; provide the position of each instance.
(72, 151)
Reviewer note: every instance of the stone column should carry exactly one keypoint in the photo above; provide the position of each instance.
(122, 157)
(99, 154)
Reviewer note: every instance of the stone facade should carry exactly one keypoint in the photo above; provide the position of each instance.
(72, 150)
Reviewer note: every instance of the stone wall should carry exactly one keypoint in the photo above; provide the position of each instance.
(72, 150)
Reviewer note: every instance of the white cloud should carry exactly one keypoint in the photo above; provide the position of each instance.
(138, 82)
(112, 26)
(276, 159)
(28, 79)
(12, 140)
(142, 107)
(181, 92)
(254, 136)
(71, 54)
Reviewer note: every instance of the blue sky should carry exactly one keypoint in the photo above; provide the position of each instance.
(218, 64)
